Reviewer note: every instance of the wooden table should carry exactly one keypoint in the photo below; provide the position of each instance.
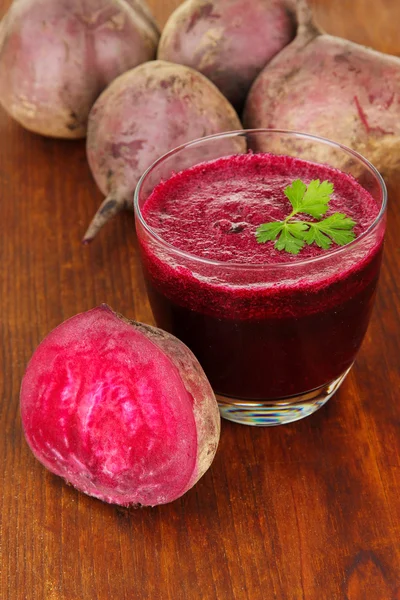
(307, 511)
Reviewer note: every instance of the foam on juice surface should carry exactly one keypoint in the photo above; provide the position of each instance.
(213, 209)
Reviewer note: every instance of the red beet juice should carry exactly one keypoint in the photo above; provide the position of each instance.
(264, 324)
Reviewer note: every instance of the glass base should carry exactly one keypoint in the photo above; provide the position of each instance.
(266, 413)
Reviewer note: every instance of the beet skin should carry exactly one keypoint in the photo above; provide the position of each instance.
(229, 41)
(57, 56)
(334, 88)
(143, 114)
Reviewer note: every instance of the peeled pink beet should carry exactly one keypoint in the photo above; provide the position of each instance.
(329, 86)
(140, 116)
(121, 410)
(229, 41)
(57, 56)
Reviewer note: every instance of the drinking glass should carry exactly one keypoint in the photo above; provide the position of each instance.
(275, 340)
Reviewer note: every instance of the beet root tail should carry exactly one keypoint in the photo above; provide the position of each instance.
(110, 207)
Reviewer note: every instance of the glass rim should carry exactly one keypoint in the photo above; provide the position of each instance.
(266, 265)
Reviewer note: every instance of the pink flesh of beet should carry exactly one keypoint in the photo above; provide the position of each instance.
(105, 405)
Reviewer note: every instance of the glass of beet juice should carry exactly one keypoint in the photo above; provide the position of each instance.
(276, 332)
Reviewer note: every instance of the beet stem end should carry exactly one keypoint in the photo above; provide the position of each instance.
(305, 19)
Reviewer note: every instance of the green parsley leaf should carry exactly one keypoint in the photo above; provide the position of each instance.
(268, 231)
(338, 227)
(295, 192)
(316, 198)
(315, 235)
(291, 237)
(312, 200)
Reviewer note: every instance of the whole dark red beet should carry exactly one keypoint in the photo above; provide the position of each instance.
(121, 410)
(229, 41)
(331, 87)
(142, 114)
(57, 56)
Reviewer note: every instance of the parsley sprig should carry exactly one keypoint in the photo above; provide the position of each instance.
(313, 200)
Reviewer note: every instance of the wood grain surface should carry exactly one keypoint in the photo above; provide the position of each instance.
(309, 511)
